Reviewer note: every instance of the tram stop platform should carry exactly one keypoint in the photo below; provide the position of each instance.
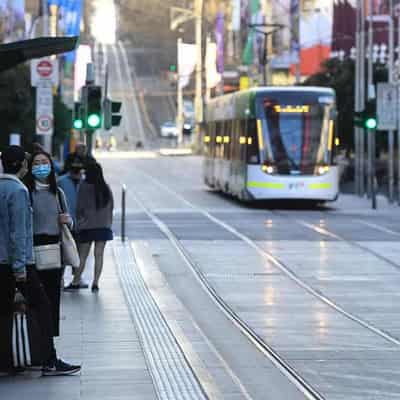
(97, 330)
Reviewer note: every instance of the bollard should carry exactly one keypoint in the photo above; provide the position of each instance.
(123, 213)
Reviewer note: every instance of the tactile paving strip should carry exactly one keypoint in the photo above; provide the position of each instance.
(172, 375)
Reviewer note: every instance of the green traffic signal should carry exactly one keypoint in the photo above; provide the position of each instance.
(78, 124)
(370, 123)
(172, 68)
(94, 121)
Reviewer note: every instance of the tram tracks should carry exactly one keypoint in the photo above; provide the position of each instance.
(283, 267)
(285, 368)
(325, 232)
(260, 344)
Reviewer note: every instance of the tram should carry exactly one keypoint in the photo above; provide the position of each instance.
(272, 143)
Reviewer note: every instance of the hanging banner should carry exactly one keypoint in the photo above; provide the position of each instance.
(12, 20)
(73, 16)
(186, 62)
(236, 15)
(295, 30)
(212, 75)
(219, 38)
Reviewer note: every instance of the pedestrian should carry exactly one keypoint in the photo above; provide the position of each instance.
(17, 264)
(48, 201)
(15, 235)
(81, 153)
(94, 218)
(69, 183)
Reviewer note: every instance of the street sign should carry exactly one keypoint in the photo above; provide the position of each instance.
(44, 111)
(44, 124)
(44, 71)
(386, 109)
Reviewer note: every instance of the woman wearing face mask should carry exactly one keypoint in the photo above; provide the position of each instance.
(94, 214)
(47, 202)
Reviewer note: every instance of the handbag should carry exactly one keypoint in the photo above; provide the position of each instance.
(69, 250)
(26, 338)
(47, 256)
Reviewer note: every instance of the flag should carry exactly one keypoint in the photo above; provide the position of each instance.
(212, 75)
(219, 38)
(186, 62)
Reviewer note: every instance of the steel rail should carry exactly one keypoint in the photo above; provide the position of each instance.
(279, 264)
(293, 376)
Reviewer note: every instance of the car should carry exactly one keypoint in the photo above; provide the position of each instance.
(187, 128)
(169, 130)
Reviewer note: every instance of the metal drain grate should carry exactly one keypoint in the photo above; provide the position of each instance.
(172, 375)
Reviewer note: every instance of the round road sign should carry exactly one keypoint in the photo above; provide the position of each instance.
(44, 123)
(44, 68)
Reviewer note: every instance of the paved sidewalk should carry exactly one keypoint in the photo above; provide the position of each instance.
(98, 331)
(350, 203)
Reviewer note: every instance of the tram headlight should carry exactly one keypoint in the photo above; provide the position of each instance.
(268, 169)
(323, 170)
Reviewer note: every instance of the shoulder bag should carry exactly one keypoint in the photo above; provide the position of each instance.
(69, 251)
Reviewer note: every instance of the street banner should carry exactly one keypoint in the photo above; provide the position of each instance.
(12, 20)
(386, 107)
(236, 15)
(295, 30)
(219, 38)
(44, 110)
(186, 62)
(212, 75)
(44, 72)
(73, 10)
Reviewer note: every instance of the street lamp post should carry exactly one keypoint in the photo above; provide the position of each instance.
(277, 27)
(180, 16)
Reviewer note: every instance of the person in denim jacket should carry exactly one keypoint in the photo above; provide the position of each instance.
(17, 265)
(16, 248)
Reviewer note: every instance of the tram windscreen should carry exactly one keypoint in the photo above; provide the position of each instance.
(295, 128)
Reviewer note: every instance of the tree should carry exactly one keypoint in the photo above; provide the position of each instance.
(16, 105)
(339, 75)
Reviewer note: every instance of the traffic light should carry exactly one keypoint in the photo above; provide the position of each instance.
(367, 117)
(172, 68)
(111, 113)
(93, 107)
(370, 120)
(77, 122)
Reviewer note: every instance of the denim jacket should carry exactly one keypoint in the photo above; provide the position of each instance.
(16, 237)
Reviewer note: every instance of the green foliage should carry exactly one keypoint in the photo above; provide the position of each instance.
(339, 75)
(17, 109)
(16, 105)
(62, 122)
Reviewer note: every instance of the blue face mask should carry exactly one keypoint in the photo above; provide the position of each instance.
(41, 171)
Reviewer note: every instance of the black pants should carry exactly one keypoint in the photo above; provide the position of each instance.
(51, 282)
(37, 299)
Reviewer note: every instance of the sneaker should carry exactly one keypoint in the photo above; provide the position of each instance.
(71, 286)
(60, 368)
(95, 288)
(81, 285)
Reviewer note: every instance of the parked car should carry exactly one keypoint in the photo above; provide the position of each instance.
(169, 130)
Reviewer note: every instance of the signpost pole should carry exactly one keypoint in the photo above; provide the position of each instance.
(370, 93)
(391, 132)
(398, 116)
(374, 188)
(361, 160)
(357, 99)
